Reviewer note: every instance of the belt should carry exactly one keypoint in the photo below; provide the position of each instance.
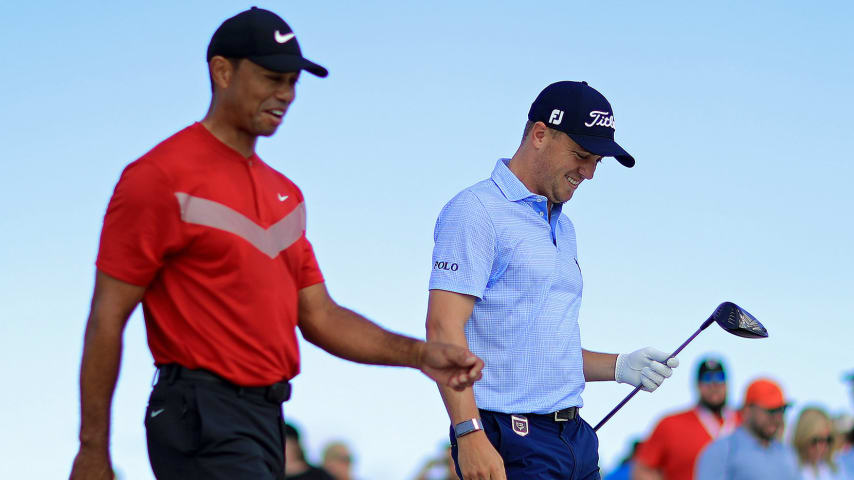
(564, 415)
(276, 393)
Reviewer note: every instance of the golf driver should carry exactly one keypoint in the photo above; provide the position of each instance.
(731, 318)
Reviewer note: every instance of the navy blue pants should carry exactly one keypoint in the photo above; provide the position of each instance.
(549, 449)
(207, 430)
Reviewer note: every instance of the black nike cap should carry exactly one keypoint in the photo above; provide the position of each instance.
(264, 38)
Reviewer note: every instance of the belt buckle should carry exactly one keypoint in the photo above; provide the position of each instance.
(565, 415)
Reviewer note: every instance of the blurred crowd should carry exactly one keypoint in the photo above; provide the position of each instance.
(710, 440)
(337, 462)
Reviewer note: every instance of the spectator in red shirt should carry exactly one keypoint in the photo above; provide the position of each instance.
(670, 452)
(211, 240)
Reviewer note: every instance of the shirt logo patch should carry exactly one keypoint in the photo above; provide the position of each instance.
(520, 425)
(445, 266)
(271, 241)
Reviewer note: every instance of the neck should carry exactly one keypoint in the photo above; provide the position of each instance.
(762, 440)
(718, 410)
(520, 164)
(226, 132)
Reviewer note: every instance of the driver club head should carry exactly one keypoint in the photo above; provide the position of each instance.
(738, 321)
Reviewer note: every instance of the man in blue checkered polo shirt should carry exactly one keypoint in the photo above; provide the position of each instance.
(506, 283)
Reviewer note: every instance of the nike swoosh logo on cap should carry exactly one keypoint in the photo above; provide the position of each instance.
(283, 38)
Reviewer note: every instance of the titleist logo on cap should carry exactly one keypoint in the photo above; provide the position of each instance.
(602, 119)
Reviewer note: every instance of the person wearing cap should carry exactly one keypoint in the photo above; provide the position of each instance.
(753, 451)
(212, 241)
(506, 282)
(672, 449)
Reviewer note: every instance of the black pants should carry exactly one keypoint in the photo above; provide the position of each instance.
(199, 429)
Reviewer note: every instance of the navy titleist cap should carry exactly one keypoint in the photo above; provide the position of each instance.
(264, 38)
(584, 114)
(710, 365)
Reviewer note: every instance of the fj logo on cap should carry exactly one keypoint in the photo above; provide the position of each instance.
(283, 38)
(520, 425)
(600, 119)
(557, 117)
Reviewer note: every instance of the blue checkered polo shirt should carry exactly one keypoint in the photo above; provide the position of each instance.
(494, 241)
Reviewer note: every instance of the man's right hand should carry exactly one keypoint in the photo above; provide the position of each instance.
(92, 464)
(478, 459)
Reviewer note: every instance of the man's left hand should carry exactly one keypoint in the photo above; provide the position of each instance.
(647, 367)
(450, 365)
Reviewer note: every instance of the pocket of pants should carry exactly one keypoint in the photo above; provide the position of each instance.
(172, 421)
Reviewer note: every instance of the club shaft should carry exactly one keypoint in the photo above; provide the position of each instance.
(638, 388)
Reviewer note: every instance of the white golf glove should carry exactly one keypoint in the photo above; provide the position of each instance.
(644, 367)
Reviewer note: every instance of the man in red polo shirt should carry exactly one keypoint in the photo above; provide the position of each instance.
(670, 452)
(212, 241)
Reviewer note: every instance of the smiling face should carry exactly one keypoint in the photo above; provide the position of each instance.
(256, 99)
(561, 166)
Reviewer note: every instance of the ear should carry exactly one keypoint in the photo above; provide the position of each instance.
(222, 71)
(539, 135)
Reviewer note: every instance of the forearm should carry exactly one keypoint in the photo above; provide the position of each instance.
(353, 337)
(460, 406)
(599, 366)
(98, 373)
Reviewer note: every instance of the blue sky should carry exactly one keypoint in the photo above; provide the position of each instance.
(738, 115)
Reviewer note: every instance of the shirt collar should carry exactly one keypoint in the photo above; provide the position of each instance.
(513, 188)
(508, 183)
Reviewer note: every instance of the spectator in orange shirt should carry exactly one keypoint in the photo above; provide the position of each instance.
(676, 442)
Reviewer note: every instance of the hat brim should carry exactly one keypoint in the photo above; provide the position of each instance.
(604, 147)
(289, 63)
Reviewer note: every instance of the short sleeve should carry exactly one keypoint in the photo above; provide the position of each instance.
(141, 226)
(464, 248)
(651, 452)
(309, 273)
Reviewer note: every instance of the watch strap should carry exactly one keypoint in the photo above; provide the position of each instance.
(466, 427)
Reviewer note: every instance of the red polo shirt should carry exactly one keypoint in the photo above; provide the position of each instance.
(218, 240)
(676, 442)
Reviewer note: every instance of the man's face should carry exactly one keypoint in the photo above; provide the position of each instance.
(257, 99)
(562, 166)
(764, 423)
(712, 389)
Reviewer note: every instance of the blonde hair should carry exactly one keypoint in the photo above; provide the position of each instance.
(810, 421)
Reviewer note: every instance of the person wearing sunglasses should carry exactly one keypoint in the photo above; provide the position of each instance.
(813, 441)
(753, 451)
(672, 449)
